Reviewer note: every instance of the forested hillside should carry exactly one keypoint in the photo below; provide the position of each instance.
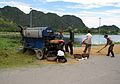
(41, 19)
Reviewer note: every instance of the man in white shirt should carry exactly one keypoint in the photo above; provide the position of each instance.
(88, 42)
(61, 57)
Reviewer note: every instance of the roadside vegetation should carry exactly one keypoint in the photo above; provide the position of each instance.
(10, 55)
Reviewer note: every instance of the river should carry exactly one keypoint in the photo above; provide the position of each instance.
(96, 39)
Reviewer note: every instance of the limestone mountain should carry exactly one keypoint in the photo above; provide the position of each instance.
(41, 19)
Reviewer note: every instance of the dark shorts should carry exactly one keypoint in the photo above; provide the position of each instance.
(61, 59)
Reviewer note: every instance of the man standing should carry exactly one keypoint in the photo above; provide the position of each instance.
(109, 42)
(88, 42)
(60, 35)
(70, 43)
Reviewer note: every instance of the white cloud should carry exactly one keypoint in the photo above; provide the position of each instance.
(22, 6)
(91, 19)
(114, 12)
(95, 5)
(85, 6)
(88, 4)
(88, 1)
(94, 21)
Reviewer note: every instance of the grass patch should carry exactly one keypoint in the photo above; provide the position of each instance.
(11, 58)
(9, 43)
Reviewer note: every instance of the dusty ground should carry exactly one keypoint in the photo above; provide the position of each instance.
(96, 70)
(79, 50)
(94, 49)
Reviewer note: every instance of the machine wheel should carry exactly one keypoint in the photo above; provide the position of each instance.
(39, 54)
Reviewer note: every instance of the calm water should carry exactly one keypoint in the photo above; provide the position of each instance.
(96, 39)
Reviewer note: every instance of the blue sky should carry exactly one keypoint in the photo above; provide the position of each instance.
(88, 10)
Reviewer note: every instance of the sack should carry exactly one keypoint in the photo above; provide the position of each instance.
(85, 55)
(79, 56)
(51, 58)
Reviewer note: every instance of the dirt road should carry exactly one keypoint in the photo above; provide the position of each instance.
(96, 70)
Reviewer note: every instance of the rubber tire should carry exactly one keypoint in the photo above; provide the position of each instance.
(39, 54)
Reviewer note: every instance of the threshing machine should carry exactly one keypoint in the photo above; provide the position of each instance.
(38, 39)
